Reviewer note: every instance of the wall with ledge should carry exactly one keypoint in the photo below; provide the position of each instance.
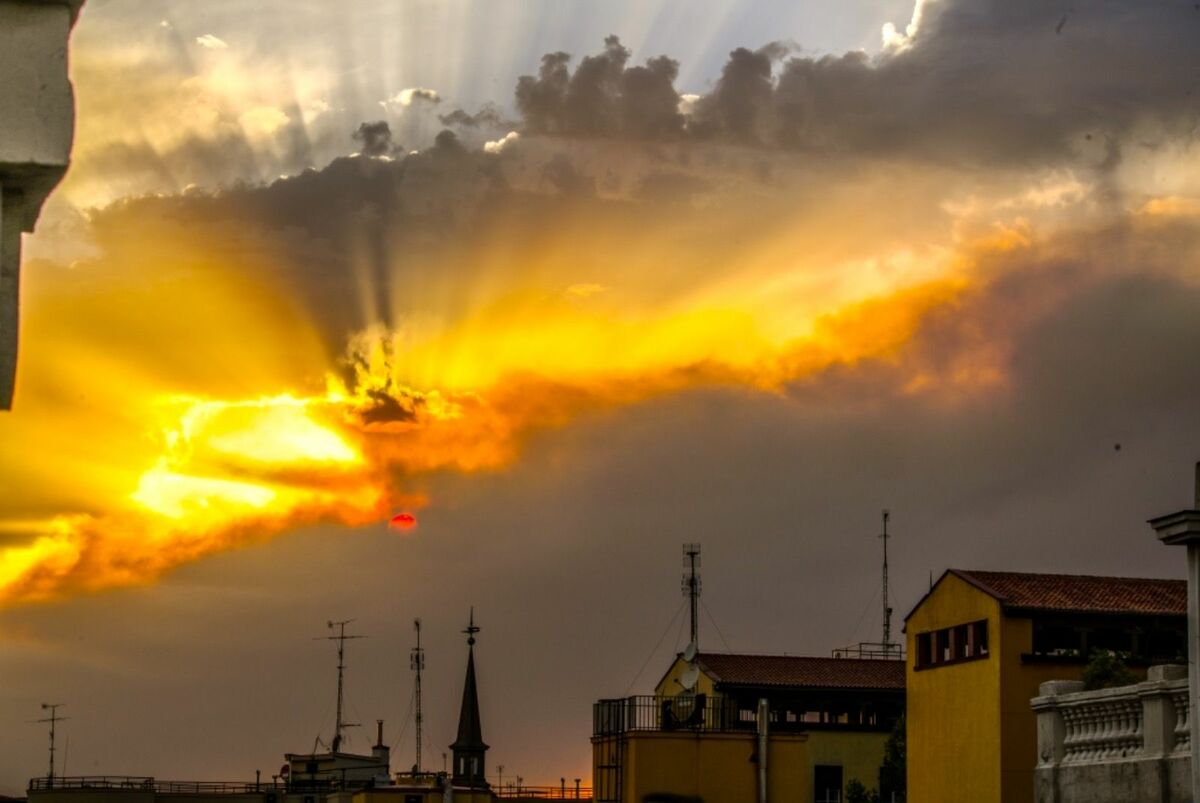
(1131, 743)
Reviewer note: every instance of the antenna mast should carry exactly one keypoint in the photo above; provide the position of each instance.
(887, 608)
(417, 663)
(691, 588)
(341, 638)
(53, 719)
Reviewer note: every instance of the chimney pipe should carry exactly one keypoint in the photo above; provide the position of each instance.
(764, 713)
(379, 730)
(1197, 496)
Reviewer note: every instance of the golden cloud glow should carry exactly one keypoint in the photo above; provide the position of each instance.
(190, 389)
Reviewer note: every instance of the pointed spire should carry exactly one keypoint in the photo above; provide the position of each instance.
(469, 747)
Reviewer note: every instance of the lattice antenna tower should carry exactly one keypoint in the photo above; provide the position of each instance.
(887, 606)
(417, 664)
(53, 719)
(341, 638)
(691, 590)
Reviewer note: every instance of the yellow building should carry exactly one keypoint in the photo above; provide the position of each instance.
(980, 643)
(722, 727)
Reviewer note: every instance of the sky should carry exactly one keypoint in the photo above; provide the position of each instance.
(574, 283)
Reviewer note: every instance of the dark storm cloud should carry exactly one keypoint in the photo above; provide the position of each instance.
(995, 79)
(602, 97)
(376, 138)
(990, 80)
(487, 117)
(324, 232)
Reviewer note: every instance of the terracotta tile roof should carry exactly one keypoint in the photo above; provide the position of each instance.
(1082, 593)
(801, 671)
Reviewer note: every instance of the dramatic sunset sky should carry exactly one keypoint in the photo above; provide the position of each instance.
(573, 282)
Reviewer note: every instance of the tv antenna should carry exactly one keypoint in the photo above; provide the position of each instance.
(417, 663)
(887, 608)
(691, 590)
(341, 638)
(53, 719)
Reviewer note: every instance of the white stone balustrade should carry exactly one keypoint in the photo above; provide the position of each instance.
(1122, 744)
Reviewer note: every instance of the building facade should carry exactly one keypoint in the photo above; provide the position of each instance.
(980, 644)
(731, 728)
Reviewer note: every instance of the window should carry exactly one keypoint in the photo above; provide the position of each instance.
(952, 645)
(827, 780)
(924, 649)
(979, 638)
(959, 642)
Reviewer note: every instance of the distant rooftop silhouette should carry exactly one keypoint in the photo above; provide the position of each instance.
(798, 671)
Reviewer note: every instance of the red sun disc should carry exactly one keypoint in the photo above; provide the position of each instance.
(403, 521)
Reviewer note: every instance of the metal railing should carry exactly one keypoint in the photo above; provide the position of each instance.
(522, 791)
(132, 783)
(873, 650)
(720, 714)
(682, 713)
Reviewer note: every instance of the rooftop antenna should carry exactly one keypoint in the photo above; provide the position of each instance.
(417, 663)
(691, 590)
(887, 607)
(53, 719)
(341, 638)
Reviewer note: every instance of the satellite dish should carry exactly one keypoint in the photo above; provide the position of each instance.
(689, 654)
(689, 678)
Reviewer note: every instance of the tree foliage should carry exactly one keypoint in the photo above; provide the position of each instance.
(1107, 670)
(857, 793)
(893, 782)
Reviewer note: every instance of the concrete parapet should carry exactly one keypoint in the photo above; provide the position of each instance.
(1122, 744)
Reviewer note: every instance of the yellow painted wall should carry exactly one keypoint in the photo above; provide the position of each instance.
(1019, 685)
(669, 686)
(715, 767)
(953, 712)
(858, 754)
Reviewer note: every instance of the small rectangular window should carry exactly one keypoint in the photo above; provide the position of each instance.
(952, 645)
(958, 637)
(980, 637)
(827, 783)
(924, 649)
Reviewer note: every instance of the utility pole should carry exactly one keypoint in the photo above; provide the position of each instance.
(691, 589)
(53, 719)
(417, 663)
(887, 608)
(341, 638)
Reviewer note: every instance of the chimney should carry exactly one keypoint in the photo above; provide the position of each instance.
(381, 752)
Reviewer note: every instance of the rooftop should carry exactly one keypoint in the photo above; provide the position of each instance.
(802, 671)
(1081, 593)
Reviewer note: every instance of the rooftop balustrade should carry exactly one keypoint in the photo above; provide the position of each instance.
(1125, 743)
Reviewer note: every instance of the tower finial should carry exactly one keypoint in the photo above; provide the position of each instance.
(471, 629)
(469, 748)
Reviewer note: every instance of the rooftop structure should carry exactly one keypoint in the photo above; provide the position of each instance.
(469, 748)
(980, 643)
(730, 670)
(1080, 593)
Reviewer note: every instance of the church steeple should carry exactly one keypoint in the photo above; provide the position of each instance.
(469, 748)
